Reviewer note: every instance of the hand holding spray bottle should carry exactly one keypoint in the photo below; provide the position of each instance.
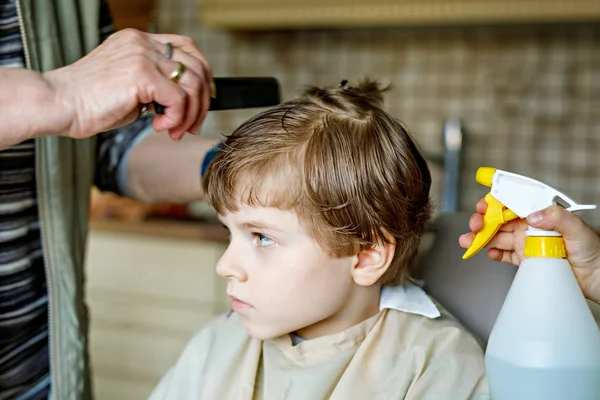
(545, 344)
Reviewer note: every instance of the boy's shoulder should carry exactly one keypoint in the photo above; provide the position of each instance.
(437, 355)
(444, 333)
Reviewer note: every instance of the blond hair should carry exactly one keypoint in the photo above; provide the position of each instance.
(349, 170)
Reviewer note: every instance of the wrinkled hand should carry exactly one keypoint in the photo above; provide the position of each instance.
(581, 242)
(105, 89)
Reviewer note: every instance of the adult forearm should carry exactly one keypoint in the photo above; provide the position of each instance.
(160, 170)
(28, 107)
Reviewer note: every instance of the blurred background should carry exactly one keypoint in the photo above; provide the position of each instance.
(513, 84)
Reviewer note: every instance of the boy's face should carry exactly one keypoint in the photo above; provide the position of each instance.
(280, 279)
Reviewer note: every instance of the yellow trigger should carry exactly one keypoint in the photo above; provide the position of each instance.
(495, 216)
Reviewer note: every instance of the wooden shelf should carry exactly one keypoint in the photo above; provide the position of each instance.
(293, 14)
(189, 230)
(138, 14)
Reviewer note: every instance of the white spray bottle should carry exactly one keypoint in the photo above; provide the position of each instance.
(545, 344)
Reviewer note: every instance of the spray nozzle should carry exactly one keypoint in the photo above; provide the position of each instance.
(514, 196)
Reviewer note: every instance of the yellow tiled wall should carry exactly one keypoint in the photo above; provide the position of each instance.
(529, 97)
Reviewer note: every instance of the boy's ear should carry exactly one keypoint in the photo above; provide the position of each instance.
(372, 263)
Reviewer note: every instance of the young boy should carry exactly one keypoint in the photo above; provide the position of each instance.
(326, 198)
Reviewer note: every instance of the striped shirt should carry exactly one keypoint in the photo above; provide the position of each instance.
(24, 361)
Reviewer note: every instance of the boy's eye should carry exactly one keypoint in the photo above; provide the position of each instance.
(263, 240)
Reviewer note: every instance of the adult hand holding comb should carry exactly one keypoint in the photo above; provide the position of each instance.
(108, 88)
(225, 93)
(104, 89)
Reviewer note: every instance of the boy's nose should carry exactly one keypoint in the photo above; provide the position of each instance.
(229, 266)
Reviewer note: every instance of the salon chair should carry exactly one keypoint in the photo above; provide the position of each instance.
(472, 290)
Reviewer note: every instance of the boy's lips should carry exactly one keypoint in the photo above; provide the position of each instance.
(239, 305)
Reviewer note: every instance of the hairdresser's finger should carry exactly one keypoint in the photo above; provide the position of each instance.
(187, 45)
(503, 240)
(476, 222)
(188, 84)
(196, 82)
(205, 105)
(193, 86)
(496, 255)
(508, 257)
(481, 206)
(466, 239)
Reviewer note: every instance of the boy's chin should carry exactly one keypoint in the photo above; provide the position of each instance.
(263, 331)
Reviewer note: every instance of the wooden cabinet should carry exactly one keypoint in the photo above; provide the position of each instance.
(294, 14)
(147, 296)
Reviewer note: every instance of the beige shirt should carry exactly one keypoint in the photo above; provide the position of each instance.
(392, 355)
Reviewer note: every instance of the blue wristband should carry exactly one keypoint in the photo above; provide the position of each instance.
(210, 154)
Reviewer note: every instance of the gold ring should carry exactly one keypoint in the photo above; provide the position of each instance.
(176, 75)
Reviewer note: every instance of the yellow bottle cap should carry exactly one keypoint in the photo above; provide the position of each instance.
(545, 246)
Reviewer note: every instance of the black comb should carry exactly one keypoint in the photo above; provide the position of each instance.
(237, 93)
